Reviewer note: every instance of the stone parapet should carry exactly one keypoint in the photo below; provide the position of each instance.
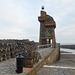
(50, 58)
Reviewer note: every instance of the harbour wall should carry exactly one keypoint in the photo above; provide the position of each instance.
(68, 46)
(50, 58)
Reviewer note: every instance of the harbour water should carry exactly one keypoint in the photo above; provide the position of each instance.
(71, 51)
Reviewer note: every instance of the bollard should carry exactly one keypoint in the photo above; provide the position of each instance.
(19, 63)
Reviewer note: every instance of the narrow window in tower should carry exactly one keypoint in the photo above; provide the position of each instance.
(51, 41)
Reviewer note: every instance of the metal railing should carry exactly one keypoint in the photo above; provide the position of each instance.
(45, 46)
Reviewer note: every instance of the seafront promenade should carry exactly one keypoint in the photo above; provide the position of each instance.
(65, 66)
(8, 67)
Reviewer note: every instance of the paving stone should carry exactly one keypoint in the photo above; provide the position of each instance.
(8, 67)
(59, 71)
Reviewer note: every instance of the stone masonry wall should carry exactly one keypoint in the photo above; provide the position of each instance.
(10, 48)
(50, 58)
(54, 56)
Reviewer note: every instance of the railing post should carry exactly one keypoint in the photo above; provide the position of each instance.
(45, 46)
(38, 47)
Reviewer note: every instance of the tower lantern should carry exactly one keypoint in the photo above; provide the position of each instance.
(42, 7)
(47, 28)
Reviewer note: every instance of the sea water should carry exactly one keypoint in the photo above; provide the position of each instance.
(72, 51)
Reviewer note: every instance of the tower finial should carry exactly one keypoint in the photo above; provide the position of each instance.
(42, 7)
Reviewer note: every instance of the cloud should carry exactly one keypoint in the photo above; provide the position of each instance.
(15, 21)
(19, 19)
(11, 12)
(63, 13)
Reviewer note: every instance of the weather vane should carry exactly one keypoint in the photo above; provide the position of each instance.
(42, 7)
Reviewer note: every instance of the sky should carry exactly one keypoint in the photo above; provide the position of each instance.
(19, 19)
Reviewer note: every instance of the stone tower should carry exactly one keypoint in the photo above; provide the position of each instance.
(47, 29)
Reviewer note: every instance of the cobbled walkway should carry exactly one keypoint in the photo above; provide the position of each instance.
(61, 67)
(54, 71)
(8, 67)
